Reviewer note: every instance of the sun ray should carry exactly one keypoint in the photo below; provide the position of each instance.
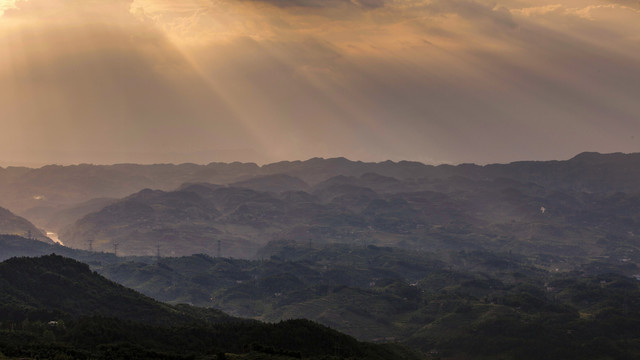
(5, 5)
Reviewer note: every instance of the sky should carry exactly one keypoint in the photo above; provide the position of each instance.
(436, 81)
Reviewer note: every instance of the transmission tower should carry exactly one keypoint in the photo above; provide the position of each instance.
(90, 241)
(115, 248)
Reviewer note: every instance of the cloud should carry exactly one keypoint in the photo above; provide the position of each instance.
(366, 4)
(70, 10)
(75, 84)
(462, 80)
(371, 4)
(473, 10)
(594, 12)
(630, 3)
(538, 10)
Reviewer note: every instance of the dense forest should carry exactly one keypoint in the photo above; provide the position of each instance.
(55, 307)
(473, 305)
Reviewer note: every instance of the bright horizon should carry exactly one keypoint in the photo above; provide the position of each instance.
(434, 81)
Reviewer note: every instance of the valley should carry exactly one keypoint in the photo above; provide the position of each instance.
(472, 262)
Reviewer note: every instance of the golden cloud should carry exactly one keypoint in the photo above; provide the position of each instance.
(368, 79)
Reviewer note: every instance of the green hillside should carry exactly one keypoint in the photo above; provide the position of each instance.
(55, 307)
(475, 305)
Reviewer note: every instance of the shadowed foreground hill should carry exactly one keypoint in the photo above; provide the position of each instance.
(453, 305)
(54, 307)
(457, 305)
(17, 246)
(69, 287)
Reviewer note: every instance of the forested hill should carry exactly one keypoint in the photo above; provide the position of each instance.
(69, 288)
(44, 191)
(55, 307)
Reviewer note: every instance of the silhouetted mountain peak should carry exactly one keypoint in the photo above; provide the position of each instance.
(595, 157)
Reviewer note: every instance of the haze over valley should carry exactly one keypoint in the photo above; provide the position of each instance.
(430, 257)
(319, 179)
(235, 209)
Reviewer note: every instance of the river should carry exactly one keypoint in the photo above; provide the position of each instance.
(53, 236)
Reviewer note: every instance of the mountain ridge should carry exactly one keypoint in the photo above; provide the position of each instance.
(13, 224)
(46, 192)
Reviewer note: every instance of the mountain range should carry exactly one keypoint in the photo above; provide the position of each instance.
(526, 260)
(47, 190)
(456, 213)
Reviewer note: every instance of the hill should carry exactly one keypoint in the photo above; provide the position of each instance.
(56, 219)
(18, 246)
(448, 304)
(57, 307)
(66, 286)
(471, 305)
(16, 225)
(272, 183)
(177, 222)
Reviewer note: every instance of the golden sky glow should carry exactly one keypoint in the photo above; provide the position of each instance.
(266, 80)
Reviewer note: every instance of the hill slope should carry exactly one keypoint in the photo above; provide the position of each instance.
(54, 306)
(145, 220)
(16, 225)
(66, 286)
